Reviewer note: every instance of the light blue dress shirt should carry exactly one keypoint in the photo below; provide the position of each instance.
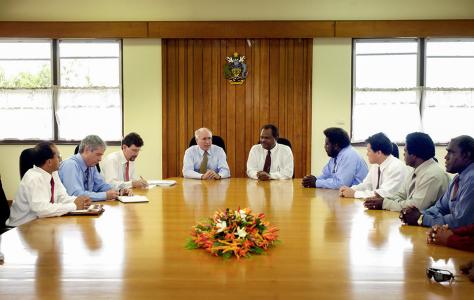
(73, 176)
(216, 160)
(348, 169)
(458, 211)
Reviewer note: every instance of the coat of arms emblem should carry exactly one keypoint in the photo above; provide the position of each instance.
(235, 70)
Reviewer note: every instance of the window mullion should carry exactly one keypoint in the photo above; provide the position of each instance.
(55, 68)
(421, 77)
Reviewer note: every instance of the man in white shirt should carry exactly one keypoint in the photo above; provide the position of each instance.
(205, 160)
(386, 175)
(119, 167)
(41, 193)
(270, 160)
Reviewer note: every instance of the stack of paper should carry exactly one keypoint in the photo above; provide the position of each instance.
(132, 199)
(152, 183)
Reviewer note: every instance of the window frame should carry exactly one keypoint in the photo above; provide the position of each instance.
(55, 72)
(421, 75)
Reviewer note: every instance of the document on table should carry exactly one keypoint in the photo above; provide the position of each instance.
(133, 199)
(153, 183)
(94, 209)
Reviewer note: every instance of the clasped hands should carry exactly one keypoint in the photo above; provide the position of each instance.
(210, 174)
(438, 234)
(263, 176)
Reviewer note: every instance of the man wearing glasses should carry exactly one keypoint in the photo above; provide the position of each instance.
(119, 166)
(41, 193)
(345, 168)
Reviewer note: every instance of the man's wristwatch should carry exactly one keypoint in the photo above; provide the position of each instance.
(420, 220)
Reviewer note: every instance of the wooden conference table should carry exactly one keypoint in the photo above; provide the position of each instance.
(331, 248)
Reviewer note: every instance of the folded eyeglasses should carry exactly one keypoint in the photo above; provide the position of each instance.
(439, 275)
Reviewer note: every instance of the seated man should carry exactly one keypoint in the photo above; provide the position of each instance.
(456, 207)
(424, 185)
(346, 166)
(119, 167)
(270, 160)
(205, 160)
(385, 178)
(80, 176)
(41, 193)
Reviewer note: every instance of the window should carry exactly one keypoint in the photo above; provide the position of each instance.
(60, 90)
(406, 85)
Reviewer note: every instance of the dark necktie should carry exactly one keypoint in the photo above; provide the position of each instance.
(455, 188)
(203, 166)
(86, 180)
(127, 166)
(52, 190)
(378, 179)
(268, 163)
(335, 165)
(411, 188)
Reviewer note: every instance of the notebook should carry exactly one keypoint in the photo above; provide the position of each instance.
(133, 199)
(162, 182)
(94, 209)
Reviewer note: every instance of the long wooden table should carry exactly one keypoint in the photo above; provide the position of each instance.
(331, 248)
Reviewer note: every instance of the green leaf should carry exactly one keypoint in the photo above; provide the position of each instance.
(190, 244)
(227, 255)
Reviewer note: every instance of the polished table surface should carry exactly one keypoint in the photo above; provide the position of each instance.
(331, 248)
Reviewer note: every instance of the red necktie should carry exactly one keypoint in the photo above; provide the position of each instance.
(455, 188)
(52, 190)
(127, 177)
(268, 163)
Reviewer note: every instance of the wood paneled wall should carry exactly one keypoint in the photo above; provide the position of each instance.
(196, 94)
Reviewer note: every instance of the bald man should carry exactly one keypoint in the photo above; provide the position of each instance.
(205, 160)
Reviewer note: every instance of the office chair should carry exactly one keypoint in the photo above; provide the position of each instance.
(4, 210)
(216, 140)
(395, 150)
(76, 150)
(284, 141)
(27, 160)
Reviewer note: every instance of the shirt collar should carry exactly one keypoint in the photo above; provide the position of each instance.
(424, 165)
(387, 162)
(466, 171)
(43, 173)
(272, 151)
(123, 160)
(201, 152)
(80, 160)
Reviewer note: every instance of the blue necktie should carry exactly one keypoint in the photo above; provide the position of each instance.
(86, 180)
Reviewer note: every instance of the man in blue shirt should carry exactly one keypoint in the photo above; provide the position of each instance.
(456, 207)
(79, 173)
(205, 160)
(346, 166)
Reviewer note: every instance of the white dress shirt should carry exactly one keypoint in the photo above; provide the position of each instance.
(113, 169)
(281, 166)
(33, 197)
(216, 161)
(392, 175)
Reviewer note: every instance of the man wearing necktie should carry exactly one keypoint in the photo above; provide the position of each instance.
(205, 160)
(424, 185)
(80, 176)
(41, 193)
(456, 207)
(119, 167)
(270, 160)
(386, 175)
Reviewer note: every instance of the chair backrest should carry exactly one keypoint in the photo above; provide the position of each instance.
(76, 150)
(284, 141)
(216, 140)
(4, 209)
(27, 160)
(395, 150)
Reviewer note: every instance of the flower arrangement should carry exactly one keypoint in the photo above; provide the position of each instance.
(229, 233)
